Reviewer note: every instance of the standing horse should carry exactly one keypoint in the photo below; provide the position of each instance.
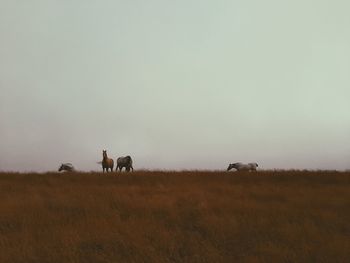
(124, 162)
(243, 167)
(107, 163)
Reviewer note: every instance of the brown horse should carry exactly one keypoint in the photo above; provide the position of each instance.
(107, 163)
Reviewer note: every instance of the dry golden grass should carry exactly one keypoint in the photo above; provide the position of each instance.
(175, 217)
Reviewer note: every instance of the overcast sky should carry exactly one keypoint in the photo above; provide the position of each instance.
(175, 84)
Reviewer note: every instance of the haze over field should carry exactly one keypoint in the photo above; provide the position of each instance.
(175, 84)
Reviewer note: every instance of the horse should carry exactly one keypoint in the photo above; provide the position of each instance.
(67, 167)
(124, 162)
(107, 163)
(243, 167)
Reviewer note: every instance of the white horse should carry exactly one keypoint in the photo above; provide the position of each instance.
(66, 167)
(243, 167)
(124, 162)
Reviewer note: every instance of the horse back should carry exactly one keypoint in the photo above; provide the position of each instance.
(124, 160)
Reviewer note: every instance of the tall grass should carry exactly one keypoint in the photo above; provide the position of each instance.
(175, 217)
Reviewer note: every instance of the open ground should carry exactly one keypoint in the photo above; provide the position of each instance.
(193, 216)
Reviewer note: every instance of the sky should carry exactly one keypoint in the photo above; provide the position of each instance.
(177, 85)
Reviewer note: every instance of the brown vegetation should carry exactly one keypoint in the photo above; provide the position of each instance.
(175, 217)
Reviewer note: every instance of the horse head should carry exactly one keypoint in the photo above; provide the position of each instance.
(230, 166)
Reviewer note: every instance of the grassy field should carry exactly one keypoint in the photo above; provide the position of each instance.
(175, 217)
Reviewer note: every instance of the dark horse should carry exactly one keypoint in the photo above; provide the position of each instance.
(124, 162)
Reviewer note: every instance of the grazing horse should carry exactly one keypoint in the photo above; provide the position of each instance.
(243, 167)
(124, 162)
(107, 163)
(67, 167)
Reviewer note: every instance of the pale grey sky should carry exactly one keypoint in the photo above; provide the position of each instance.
(175, 84)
